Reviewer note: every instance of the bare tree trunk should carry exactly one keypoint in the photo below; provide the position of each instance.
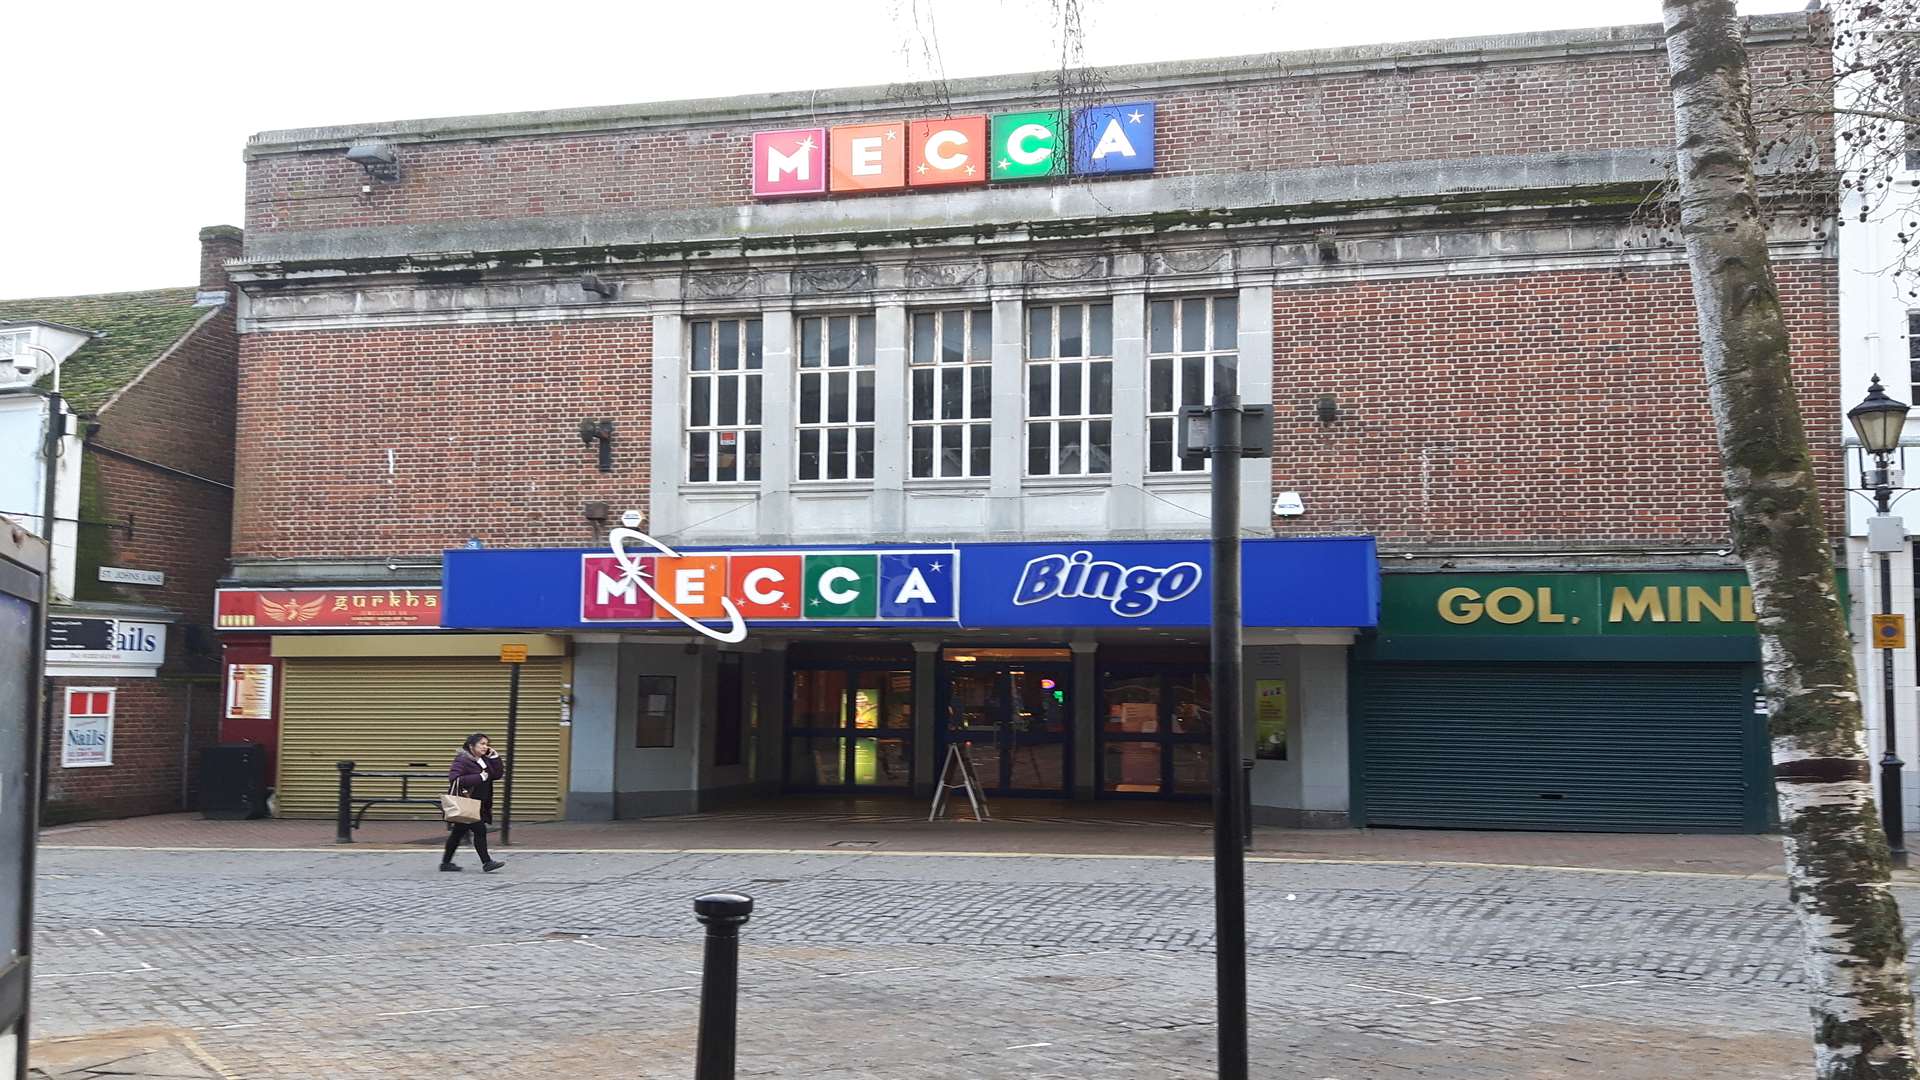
(1837, 861)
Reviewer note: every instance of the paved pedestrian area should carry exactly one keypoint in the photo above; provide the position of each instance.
(368, 963)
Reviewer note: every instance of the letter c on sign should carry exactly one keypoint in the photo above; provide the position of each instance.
(1460, 606)
(754, 579)
(835, 576)
(937, 142)
(1017, 147)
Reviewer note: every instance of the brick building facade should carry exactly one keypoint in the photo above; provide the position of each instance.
(152, 405)
(1427, 258)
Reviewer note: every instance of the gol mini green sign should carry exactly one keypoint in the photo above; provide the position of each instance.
(1696, 604)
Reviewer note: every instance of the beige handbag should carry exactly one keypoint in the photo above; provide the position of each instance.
(457, 808)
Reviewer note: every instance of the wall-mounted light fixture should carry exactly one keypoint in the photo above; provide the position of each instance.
(602, 432)
(1326, 410)
(379, 160)
(596, 512)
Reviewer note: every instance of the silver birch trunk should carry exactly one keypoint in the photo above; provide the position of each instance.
(1836, 854)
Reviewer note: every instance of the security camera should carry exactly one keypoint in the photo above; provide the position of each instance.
(25, 364)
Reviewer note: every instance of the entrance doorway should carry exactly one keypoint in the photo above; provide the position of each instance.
(1011, 713)
(850, 728)
(1156, 732)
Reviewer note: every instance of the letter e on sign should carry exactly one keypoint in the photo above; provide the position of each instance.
(513, 654)
(869, 157)
(1889, 631)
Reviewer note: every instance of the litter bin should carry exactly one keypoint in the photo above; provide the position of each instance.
(233, 781)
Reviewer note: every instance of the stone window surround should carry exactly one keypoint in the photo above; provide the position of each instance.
(1120, 502)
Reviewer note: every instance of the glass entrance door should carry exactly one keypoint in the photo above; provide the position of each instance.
(1156, 732)
(850, 729)
(1013, 719)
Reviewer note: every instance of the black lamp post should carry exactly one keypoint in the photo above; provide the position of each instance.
(1226, 431)
(1878, 421)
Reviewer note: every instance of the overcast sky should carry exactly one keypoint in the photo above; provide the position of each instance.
(124, 122)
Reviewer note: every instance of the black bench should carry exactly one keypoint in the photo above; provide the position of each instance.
(349, 820)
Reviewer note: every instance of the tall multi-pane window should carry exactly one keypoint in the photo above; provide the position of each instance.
(1913, 355)
(1069, 389)
(1191, 342)
(723, 401)
(951, 372)
(835, 431)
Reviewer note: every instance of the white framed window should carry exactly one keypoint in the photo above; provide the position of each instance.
(1913, 356)
(950, 371)
(13, 343)
(835, 398)
(1069, 389)
(723, 401)
(1191, 342)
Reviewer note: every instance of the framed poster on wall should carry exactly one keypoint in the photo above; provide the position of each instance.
(249, 691)
(1270, 719)
(87, 741)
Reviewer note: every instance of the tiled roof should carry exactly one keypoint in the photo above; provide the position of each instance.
(137, 328)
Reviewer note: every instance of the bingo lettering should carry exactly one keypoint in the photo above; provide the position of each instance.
(1131, 591)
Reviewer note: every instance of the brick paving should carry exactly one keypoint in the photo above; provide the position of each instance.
(366, 962)
(1023, 826)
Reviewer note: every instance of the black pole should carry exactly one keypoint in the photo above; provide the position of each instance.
(343, 827)
(1892, 809)
(1229, 872)
(506, 782)
(56, 430)
(1246, 803)
(722, 914)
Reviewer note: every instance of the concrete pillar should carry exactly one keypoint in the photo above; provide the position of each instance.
(777, 419)
(1009, 418)
(926, 719)
(1086, 718)
(1127, 514)
(596, 714)
(890, 421)
(665, 514)
(1256, 388)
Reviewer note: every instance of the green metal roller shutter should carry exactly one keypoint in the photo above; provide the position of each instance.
(1635, 747)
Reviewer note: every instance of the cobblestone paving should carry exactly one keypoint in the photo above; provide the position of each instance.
(277, 964)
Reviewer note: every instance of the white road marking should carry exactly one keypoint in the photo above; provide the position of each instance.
(423, 1012)
(144, 967)
(1029, 1046)
(1429, 998)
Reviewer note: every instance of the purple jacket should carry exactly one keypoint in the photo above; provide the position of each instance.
(474, 777)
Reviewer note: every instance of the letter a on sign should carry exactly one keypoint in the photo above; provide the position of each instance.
(1113, 139)
(792, 162)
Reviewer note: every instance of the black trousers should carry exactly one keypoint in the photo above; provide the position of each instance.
(476, 829)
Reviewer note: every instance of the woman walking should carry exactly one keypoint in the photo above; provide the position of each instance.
(473, 772)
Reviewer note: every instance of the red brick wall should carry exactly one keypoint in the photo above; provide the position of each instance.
(1465, 110)
(1440, 383)
(151, 717)
(481, 420)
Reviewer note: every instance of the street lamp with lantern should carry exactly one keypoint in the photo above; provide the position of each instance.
(1878, 421)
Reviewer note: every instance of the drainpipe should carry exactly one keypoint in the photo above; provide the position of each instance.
(56, 430)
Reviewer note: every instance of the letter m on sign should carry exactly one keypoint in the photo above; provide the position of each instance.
(792, 162)
(607, 594)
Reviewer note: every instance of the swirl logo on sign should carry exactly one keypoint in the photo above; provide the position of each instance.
(631, 570)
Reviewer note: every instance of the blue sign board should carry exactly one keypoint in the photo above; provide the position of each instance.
(1332, 582)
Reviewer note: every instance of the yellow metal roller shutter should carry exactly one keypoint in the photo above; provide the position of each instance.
(386, 713)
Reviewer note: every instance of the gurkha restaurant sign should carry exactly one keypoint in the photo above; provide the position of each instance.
(954, 151)
(328, 609)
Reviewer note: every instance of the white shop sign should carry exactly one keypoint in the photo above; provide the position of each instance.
(87, 739)
(81, 645)
(122, 575)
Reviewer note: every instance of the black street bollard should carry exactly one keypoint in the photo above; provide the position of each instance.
(722, 914)
(343, 829)
(1246, 803)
